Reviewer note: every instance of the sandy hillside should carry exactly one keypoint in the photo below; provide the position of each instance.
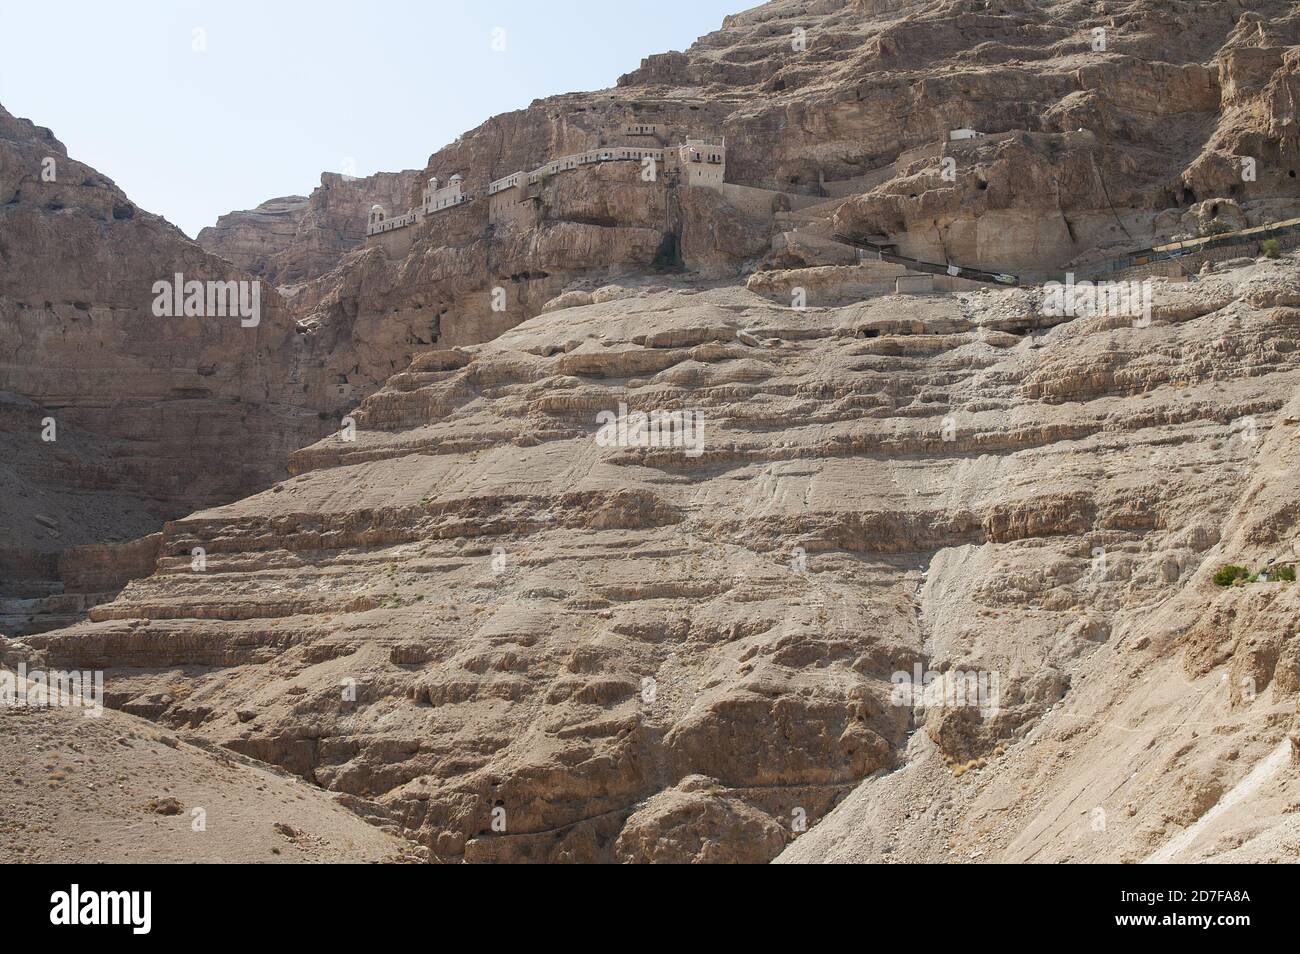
(119, 789)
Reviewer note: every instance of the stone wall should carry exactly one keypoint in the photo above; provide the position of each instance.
(1185, 264)
(755, 201)
(508, 208)
(397, 243)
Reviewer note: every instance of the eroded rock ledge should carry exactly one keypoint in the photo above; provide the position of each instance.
(639, 655)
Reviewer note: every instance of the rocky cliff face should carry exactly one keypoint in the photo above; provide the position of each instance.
(1096, 123)
(115, 419)
(294, 239)
(500, 620)
(645, 653)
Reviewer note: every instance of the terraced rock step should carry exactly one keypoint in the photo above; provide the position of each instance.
(648, 523)
(477, 610)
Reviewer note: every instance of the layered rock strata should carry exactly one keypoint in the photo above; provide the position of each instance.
(518, 640)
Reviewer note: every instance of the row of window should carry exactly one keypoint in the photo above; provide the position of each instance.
(559, 165)
(598, 155)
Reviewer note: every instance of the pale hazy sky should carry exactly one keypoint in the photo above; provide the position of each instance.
(286, 89)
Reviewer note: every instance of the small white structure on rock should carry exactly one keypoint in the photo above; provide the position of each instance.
(698, 162)
(704, 161)
(955, 134)
(437, 198)
(434, 198)
(641, 129)
(380, 221)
